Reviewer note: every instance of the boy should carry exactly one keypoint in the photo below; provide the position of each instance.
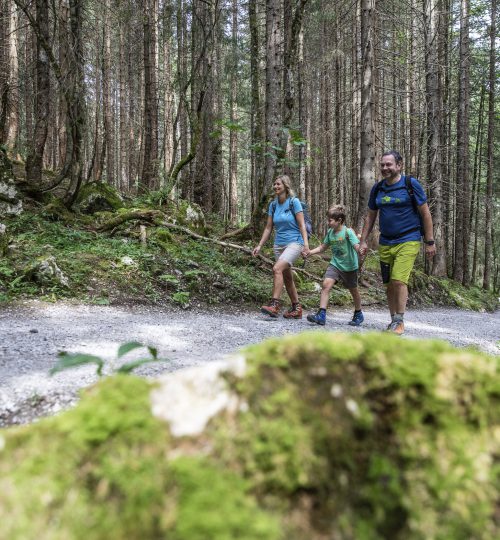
(343, 265)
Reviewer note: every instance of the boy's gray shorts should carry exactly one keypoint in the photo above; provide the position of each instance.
(349, 279)
(289, 253)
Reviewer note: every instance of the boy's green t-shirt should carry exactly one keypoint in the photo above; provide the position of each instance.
(344, 256)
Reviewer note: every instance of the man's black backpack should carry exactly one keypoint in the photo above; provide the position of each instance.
(411, 193)
(305, 210)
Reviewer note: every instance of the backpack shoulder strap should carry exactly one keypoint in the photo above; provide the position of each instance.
(409, 185)
(411, 193)
(378, 185)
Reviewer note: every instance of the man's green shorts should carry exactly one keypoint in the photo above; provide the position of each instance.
(400, 258)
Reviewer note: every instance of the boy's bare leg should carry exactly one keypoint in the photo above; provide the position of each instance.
(328, 283)
(356, 298)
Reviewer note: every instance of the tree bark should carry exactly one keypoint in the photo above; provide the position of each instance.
(13, 93)
(149, 176)
(34, 161)
(488, 237)
(367, 154)
(233, 118)
(434, 120)
(461, 269)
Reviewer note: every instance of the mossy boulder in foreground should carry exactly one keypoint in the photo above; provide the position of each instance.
(315, 437)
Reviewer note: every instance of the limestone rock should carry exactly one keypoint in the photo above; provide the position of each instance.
(188, 215)
(46, 272)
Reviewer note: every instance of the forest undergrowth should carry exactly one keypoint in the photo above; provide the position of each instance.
(52, 254)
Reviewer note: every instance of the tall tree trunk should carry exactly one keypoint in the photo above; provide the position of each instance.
(256, 116)
(123, 166)
(34, 161)
(488, 238)
(367, 153)
(233, 134)
(182, 75)
(168, 138)
(461, 268)
(76, 104)
(434, 120)
(13, 96)
(149, 178)
(62, 113)
(109, 135)
(274, 90)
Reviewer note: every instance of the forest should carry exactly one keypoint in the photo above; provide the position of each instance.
(207, 100)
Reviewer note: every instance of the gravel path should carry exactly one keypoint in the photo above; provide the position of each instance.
(33, 333)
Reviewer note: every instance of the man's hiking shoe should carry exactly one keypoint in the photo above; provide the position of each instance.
(357, 319)
(397, 327)
(317, 318)
(294, 312)
(272, 309)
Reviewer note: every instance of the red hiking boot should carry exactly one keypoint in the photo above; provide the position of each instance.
(272, 309)
(294, 312)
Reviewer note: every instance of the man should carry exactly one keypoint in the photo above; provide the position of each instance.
(403, 213)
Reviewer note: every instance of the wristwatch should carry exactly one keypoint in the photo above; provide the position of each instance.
(429, 242)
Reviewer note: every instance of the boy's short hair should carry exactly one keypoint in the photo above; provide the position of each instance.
(337, 212)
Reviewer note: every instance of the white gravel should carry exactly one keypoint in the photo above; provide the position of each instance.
(33, 333)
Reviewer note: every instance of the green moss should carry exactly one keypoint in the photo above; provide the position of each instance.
(215, 504)
(72, 477)
(55, 210)
(98, 196)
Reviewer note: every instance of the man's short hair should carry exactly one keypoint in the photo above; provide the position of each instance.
(337, 212)
(398, 158)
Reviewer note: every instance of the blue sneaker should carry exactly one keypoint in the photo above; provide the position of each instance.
(357, 319)
(318, 318)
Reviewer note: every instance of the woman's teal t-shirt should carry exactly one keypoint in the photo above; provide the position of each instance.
(344, 256)
(284, 222)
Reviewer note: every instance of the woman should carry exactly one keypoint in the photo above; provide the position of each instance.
(286, 215)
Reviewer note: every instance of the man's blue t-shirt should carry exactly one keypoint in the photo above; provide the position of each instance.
(285, 224)
(398, 220)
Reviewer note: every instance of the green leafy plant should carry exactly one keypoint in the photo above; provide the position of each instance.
(169, 278)
(181, 298)
(71, 360)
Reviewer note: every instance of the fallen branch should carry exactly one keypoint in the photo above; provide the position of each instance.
(144, 215)
(245, 249)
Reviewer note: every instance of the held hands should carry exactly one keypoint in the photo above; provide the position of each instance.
(363, 248)
(306, 252)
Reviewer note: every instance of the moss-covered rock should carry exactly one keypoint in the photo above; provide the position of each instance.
(315, 436)
(55, 210)
(98, 197)
(188, 215)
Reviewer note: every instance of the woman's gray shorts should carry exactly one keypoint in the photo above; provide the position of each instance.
(349, 279)
(289, 253)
